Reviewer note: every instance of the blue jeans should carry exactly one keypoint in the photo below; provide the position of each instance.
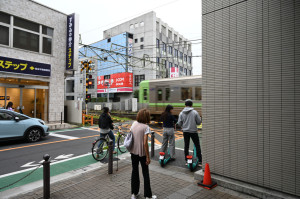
(110, 135)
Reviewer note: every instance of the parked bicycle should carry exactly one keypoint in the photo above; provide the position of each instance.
(100, 152)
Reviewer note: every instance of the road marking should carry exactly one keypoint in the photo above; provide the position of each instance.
(30, 164)
(21, 147)
(56, 162)
(62, 136)
(63, 156)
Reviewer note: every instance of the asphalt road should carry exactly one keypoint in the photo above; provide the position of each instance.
(62, 145)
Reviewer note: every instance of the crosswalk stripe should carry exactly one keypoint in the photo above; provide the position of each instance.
(63, 136)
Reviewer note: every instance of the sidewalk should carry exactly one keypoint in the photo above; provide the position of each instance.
(169, 182)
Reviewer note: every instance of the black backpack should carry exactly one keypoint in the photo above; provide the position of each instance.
(105, 121)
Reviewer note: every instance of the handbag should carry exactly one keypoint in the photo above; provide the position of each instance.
(128, 142)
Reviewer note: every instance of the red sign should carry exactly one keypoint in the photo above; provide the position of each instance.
(119, 82)
(174, 72)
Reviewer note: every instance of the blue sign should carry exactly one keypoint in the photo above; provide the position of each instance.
(70, 42)
(11, 65)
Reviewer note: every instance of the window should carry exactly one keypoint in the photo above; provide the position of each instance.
(175, 37)
(130, 35)
(176, 65)
(157, 61)
(185, 57)
(142, 39)
(142, 47)
(189, 47)
(159, 94)
(170, 65)
(22, 23)
(106, 76)
(26, 40)
(176, 53)
(145, 94)
(180, 41)
(4, 18)
(47, 45)
(131, 27)
(4, 35)
(138, 79)
(164, 47)
(157, 43)
(181, 69)
(49, 31)
(186, 93)
(5, 116)
(142, 24)
(167, 94)
(26, 34)
(135, 40)
(181, 55)
(198, 93)
(108, 40)
(170, 50)
(190, 59)
(185, 71)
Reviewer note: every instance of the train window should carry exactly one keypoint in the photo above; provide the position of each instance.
(159, 94)
(186, 93)
(167, 94)
(145, 94)
(198, 93)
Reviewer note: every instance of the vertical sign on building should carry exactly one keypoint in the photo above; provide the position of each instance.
(72, 42)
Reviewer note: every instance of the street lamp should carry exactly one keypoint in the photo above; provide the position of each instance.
(107, 84)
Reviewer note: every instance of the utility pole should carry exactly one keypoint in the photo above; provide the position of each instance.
(107, 84)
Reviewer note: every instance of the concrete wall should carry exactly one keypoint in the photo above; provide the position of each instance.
(251, 98)
(35, 12)
(74, 113)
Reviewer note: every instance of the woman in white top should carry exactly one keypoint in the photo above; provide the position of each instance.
(140, 153)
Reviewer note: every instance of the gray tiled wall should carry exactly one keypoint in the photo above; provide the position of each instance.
(251, 91)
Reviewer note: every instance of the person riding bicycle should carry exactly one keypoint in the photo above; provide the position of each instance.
(106, 126)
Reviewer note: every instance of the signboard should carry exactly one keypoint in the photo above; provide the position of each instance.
(118, 82)
(70, 42)
(174, 72)
(3, 97)
(11, 65)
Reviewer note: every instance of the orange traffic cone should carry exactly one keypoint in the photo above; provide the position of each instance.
(207, 183)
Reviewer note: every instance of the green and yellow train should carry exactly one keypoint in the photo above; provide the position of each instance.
(156, 94)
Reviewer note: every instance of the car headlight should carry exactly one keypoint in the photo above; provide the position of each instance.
(42, 122)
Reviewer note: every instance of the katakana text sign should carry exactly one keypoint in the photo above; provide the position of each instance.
(11, 65)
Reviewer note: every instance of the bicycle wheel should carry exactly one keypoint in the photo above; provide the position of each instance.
(99, 153)
(121, 146)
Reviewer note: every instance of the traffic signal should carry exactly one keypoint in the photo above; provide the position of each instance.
(87, 98)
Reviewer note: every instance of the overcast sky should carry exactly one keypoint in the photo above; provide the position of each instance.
(98, 15)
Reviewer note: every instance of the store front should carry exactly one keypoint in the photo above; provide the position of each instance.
(29, 97)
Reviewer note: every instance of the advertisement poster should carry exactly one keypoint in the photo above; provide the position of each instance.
(118, 82)
(174, 72)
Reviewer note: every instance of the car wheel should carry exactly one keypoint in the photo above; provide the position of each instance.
(33, 135)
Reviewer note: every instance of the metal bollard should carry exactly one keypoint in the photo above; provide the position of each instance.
(46, 170)
(110, 157)
(61, 118)
(152, 143)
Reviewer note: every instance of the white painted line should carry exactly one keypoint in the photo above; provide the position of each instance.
(63, 136)
(66, 130)
(91, 129)
(24, 170)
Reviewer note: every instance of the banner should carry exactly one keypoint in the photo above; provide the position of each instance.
(118, 82)
(11, 65)
(174, 72)
(70, 42)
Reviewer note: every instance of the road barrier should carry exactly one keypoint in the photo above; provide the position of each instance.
(46, 171)
(87, 118)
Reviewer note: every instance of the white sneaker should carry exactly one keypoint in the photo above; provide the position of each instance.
(133, 196)
(153, 197)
